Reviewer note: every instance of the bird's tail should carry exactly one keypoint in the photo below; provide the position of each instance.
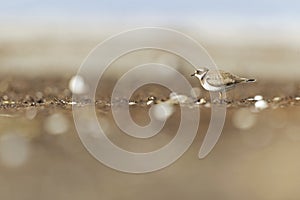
(250, 80)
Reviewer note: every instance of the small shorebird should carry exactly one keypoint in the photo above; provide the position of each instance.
(218, 80)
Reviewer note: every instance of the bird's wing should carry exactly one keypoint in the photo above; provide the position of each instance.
(222, 78)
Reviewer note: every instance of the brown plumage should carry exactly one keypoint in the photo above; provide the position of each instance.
(219, 80)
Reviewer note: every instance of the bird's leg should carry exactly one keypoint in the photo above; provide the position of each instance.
(221, 99)
(220, 96)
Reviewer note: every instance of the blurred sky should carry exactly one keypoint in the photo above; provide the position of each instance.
(271, 18)
(224, 21)
(163, 10)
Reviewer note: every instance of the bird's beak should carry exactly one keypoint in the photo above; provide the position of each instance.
(193, 74)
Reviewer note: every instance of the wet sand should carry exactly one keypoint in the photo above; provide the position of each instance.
(254, 158)
(42, 157)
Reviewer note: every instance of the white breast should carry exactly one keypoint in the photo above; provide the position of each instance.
(209, 87)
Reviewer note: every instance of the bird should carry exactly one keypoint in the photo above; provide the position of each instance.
(214, 80)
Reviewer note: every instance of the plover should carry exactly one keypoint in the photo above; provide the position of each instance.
(218, 80)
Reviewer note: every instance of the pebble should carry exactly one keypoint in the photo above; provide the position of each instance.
(163, 111)
(14, 149)
(276, 99)
(77, 85)
(56, 124)
(244, 119)
(258, 98)
(261, 105)
(178, 98)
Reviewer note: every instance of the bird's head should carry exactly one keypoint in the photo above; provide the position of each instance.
(199, 73)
